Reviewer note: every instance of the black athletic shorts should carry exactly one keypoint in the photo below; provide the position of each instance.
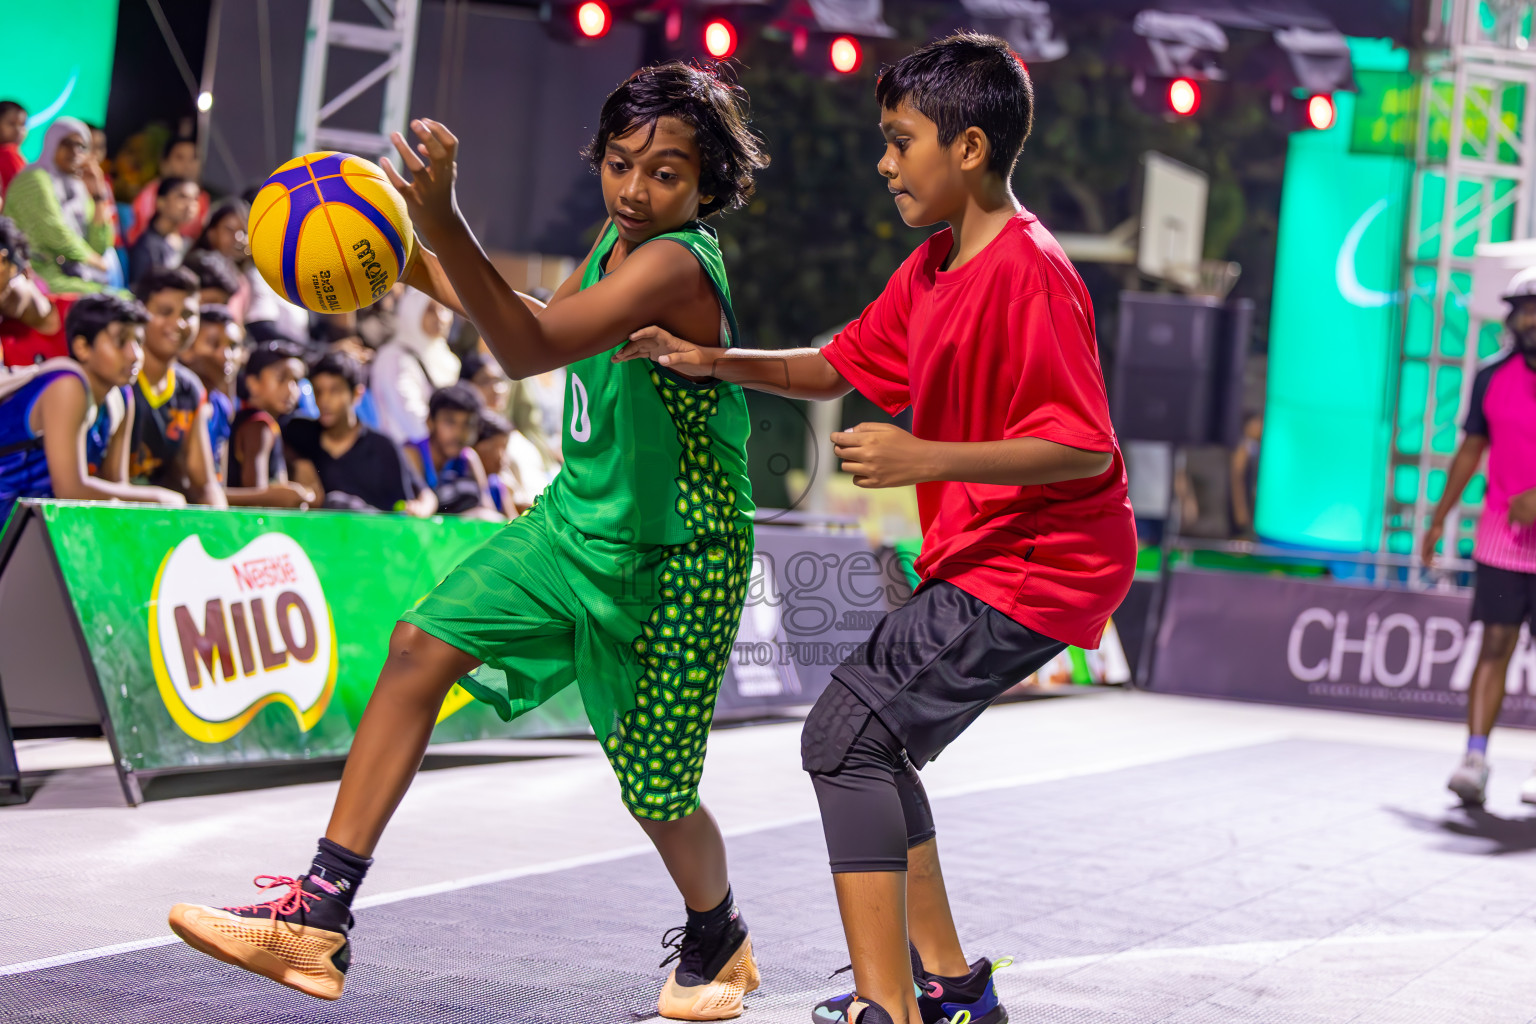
(934, 664)
(1503, 597)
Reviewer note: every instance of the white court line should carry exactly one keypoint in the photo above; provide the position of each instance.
(454, 885)
(1257, 952)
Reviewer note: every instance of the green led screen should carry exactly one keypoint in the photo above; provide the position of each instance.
(58, 61)
(1333, 332)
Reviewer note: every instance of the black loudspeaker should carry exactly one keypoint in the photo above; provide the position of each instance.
(1179, 364)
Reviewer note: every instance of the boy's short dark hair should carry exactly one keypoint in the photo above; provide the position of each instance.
(456, 397)
(7, 106)
(491, 425)
(173, 142)
(966, 80)
(730, 153)
(13, 244)
(169, 185)
(471, 365)
(165, 279)
(214, 313)
(261, 357)
(339, 364)
(92, 314)
(213, 270)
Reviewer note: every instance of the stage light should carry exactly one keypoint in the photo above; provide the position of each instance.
(205, 101)
(846, 55)
(593, 19)
(719, 38)
(1183, 96)
(1321, 113)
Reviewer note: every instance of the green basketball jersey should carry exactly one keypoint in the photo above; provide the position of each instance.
(652, 458)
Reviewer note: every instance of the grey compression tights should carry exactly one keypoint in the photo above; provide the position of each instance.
(873, 808)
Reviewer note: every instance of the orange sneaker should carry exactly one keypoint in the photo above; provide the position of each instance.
(715, 970)
(298, 939)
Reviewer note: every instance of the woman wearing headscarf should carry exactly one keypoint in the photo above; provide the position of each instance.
(410, 366)
(62, 203)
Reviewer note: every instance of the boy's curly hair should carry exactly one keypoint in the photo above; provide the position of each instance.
(730, 153)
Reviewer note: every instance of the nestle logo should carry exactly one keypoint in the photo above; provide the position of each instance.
(260, 573)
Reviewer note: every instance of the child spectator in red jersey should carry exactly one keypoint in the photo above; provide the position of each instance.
(269, 392)
(987, 333)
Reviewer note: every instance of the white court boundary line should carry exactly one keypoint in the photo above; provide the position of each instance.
(619, 853)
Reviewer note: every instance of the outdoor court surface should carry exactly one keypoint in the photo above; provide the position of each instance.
(1143, 859)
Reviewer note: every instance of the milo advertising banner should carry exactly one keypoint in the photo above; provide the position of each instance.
(207, 638)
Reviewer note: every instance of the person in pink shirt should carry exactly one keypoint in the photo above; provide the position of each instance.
(179, 161)
(1501, 422)
(13, 132)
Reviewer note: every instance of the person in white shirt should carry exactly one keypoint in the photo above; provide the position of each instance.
(411, 365)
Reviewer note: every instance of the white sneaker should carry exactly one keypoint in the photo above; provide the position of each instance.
(1528, 790)
(1470, 780)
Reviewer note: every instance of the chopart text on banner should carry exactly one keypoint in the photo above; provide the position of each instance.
(1291, 641)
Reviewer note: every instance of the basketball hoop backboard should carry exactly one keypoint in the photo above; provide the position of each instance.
(1173, 203)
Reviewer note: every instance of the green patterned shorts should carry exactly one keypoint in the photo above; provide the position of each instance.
(644, 633)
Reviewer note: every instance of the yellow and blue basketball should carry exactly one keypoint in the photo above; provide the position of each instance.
(329, 232)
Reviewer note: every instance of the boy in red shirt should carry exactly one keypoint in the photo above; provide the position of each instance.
(987, 332)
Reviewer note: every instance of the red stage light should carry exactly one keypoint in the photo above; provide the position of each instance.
(1183, 96)
(846, 54)
(593, 19)
(720, 38)
(1321, 113)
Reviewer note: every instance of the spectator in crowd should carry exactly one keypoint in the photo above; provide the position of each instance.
(1245, 476)
(446, 457)
(355, 467)
(62, 203)
(538, 403)
(225, 235)
(178, 161)
(269, 392)
(59, 419)
(411, 366)
(215, 357)
(13, 132)
(171, 411)
(485, 374)
(163, 244)
(31, 323)
(217, 279)
(491, 440)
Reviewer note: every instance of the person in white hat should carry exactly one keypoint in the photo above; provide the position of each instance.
(1500, 422)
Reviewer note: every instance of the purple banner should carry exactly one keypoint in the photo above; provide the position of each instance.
(1329, 645)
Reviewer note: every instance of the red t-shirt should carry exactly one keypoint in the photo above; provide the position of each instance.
(11, 163)
(23, 345)
(1004, 347)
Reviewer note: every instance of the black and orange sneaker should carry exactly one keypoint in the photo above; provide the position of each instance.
(715, 970)
(298, 939)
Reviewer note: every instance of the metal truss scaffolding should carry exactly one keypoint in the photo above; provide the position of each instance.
(392, 35)
(1475, 150)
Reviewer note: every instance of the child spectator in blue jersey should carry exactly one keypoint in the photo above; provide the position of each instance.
(62, 417)
(356, 468)
(446, 457)
(215, 357)
(269, 392)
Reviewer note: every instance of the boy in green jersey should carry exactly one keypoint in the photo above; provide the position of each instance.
(628, 574)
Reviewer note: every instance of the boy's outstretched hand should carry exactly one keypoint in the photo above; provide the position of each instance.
(653, 343)
(883, 455)
(429, 193)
